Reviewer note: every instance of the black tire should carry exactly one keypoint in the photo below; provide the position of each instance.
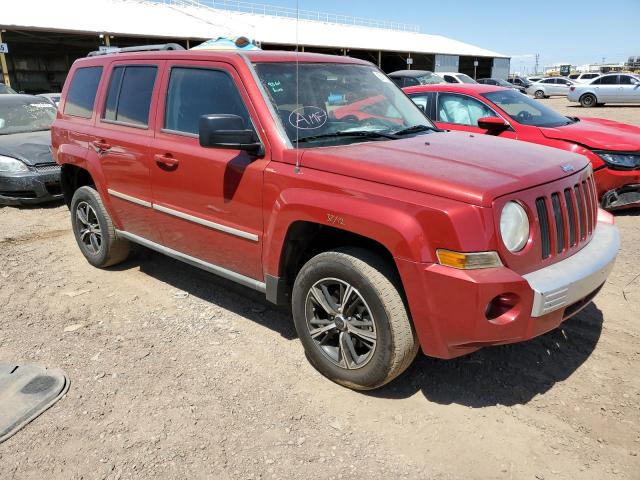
(110, 250)
(374, 282)
(539, 94)
(588, 100)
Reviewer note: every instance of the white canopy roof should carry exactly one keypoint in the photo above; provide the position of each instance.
(182, 20)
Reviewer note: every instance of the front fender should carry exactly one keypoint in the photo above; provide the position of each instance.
(393, 228)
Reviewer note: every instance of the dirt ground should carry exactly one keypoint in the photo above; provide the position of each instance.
(178, 374)
(618, 112)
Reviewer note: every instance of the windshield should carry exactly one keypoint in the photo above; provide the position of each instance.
(430, 79)
(504, 83)
(465, 78)
(525, 110)
(19, 115)
(336, 100)
(5, 89)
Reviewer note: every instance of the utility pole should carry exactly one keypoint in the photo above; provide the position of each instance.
(537, 62)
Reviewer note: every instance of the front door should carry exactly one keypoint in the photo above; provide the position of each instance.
(209, 200)
(124, 131)
(461, 112)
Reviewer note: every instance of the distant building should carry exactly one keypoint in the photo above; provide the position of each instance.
(44, 38)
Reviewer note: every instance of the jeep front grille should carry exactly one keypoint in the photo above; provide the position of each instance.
(567, 218)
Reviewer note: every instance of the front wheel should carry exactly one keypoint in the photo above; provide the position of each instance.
(351, 318)
(539, 94)
(588, 100)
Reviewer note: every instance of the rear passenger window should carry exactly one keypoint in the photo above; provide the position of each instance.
(129, 95)
(610, 80)
(194, 92)
(82, 92)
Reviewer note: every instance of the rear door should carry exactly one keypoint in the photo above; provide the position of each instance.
(607, 90)
(629, 89)
(123, 135)
(209, 201)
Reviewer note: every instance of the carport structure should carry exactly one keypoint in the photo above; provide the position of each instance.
(44, 38)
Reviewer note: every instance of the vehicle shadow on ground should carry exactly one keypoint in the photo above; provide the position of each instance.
(210, 288)
(630, 212)
(38, 206)
(506, 375)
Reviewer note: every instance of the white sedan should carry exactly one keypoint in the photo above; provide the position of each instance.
(610, 88)
(548, 87)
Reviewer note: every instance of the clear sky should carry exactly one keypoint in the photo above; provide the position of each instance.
(561, 31)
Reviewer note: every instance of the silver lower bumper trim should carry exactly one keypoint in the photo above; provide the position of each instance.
(570, 280)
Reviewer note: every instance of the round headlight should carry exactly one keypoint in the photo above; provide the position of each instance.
(514, 226)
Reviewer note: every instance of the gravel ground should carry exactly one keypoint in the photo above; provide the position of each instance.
(178, 374)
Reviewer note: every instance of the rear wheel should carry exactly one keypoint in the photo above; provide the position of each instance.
(539, 94)
(351, 319)
(94, 230)
(588, 100)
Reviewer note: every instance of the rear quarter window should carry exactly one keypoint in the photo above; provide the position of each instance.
(82, 92)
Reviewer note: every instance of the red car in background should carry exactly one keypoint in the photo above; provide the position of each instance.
(612, 147)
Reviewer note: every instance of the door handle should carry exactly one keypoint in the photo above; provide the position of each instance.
(101, 146)
(166, 160)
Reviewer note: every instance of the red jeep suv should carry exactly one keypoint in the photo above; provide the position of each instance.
(382, 233)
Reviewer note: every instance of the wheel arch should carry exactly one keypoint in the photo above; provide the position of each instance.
(304, 223)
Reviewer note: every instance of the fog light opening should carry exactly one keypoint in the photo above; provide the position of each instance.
(503, 308)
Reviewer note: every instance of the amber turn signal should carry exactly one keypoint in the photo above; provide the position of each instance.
(468, 261)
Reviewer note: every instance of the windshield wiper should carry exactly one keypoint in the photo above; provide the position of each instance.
(346, 133)
(414, 129)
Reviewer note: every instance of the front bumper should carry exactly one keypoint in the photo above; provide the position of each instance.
(41, 184)
(574, 278)
(454, 310)
(618, 189)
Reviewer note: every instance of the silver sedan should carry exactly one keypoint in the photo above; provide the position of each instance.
(548, 87)
(610, 88)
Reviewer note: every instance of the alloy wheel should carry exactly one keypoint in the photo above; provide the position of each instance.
(340, 323)
(88, 227)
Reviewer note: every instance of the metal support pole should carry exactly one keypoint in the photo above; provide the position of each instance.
(5, 69)
(107, 42)
(379, 58)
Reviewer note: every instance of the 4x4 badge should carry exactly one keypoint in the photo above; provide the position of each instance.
(567, 168)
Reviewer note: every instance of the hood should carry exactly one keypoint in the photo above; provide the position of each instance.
(599, 134)
(473, 169)
(33, 148)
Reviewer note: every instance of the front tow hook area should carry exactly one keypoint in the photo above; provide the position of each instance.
(621, 197)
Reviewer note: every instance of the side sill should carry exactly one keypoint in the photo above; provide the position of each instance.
(209, 267)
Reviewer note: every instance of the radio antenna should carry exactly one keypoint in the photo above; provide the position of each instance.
(297, 169)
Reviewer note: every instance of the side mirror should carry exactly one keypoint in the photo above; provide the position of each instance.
(228, 131)
(492, 124)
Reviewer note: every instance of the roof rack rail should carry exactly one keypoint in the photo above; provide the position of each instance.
(141, 48)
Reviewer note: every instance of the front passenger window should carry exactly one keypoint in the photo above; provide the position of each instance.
(194, 92)
(461, 110)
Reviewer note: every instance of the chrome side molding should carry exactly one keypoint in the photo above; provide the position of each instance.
(201, 221)
(185, 216)
(129, 198)
(196, 262)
